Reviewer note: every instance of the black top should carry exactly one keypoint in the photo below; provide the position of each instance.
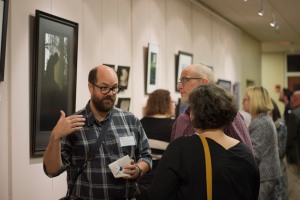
(181, 172)
(158, 129)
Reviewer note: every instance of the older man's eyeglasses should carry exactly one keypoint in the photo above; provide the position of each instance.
(184, 80)
(106, 90)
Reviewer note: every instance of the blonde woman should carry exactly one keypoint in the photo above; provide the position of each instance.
(258, 104)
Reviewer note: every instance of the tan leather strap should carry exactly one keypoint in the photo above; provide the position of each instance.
(208, 167)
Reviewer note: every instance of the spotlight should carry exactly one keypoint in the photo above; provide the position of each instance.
(261, 12)
(273, 22)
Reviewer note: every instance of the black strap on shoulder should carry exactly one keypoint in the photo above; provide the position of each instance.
(92, 152)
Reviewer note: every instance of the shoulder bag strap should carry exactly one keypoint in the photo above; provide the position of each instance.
(208, 167)
(92, 152)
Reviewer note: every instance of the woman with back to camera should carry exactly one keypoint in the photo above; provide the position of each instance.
(181, 173)
(258, 104)
(157, 123)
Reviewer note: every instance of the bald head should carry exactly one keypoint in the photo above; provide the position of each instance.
(200, 70)
(295, 100)
(101, 71)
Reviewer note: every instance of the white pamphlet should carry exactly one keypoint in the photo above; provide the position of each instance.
(117, 166)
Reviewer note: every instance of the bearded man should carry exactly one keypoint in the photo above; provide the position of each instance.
(74, 136)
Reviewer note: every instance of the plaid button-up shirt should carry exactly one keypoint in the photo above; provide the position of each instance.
(97, 181)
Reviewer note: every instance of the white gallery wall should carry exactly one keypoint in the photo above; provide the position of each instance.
(113, 32)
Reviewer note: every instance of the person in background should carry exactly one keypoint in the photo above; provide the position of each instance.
(281, 187)
(191, 77)
(157, 123)
(73, 136)
(285, 98)
(293, 148)
(258, 104)
(181, 173)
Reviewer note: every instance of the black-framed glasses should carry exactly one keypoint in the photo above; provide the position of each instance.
(184, 80)
(106, 90)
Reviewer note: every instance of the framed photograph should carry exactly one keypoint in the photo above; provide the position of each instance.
(225, 84)
(3, 34)
(151, 83)
(110, 65)
(236, 93)
(184, 59)
(123, 76)
(54, 76)
(123, 103)
(250, 83)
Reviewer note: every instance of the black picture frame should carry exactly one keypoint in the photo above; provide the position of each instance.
(224, 84)
(54, 76)
(110, 65)
(184, 59)
(152, 66)
(123, 103)
(3, 25)
(123, 73)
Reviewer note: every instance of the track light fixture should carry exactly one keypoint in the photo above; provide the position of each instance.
(273, 22)
(261, 11)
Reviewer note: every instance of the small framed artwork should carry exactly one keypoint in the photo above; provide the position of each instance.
(54, 76)
(110, 65)
(3, 33)
(250, 83)
(151, 82)
(236, 93)
(184, 59)
(123, 76)
(123, 103)
(225, 84)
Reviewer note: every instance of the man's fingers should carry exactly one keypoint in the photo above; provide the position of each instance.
(62, 114)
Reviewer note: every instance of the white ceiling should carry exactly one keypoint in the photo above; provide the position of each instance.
(244, 14)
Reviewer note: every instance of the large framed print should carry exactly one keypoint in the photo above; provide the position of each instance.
(54, 76)
(151, 82)
(184, 59)
(3, 34)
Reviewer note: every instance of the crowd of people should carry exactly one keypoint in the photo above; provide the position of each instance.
(207, 152)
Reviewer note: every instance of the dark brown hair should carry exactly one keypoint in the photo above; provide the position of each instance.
(275, 112)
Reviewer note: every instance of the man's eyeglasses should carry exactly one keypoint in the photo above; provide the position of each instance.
(184, 80)
(106, 90)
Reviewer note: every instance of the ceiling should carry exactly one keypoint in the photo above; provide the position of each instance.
(244, 14)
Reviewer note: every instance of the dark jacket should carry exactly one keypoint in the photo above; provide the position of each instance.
(293, 140)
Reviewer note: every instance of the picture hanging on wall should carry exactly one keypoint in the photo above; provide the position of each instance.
(123, 76)
(225, 84)
(54, 76)
(110, 65)
(151, 82)
(3, 33)
(123, 103)
(236, 93)
(184, 59)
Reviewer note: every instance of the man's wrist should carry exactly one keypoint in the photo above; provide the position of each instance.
(140, 171)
